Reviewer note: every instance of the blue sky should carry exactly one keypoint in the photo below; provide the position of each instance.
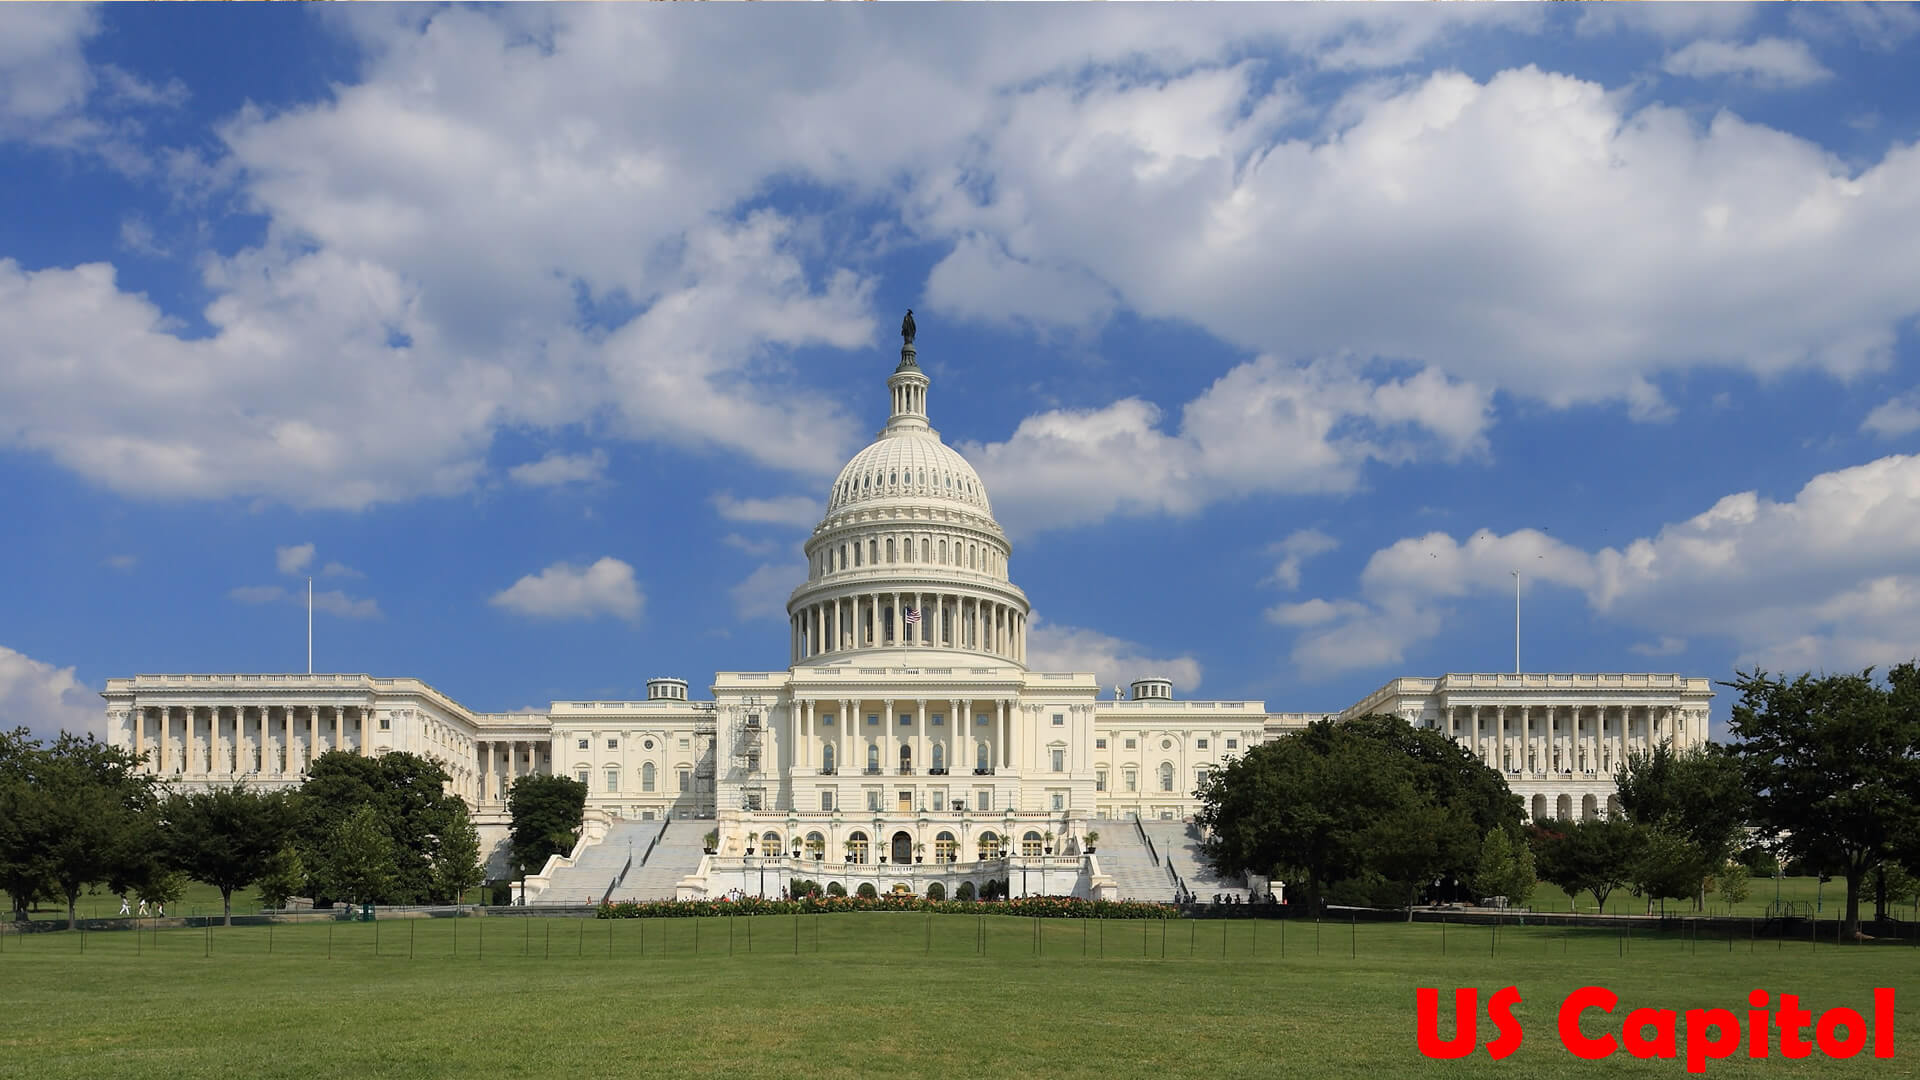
(1280, 335)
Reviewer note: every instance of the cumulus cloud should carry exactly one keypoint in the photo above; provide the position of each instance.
(559, 470)
(1769, 62)
(1266, 427)
(331, 601)
(763, 595)
(293, 558)
(1111, 659)
(337, 569)
(1298, 547)
(567, 591)
(1827, 579)
(1894, 417)
(798, 511)
(46, 699)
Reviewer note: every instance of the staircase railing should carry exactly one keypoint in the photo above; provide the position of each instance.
(656, 840)
(1180, 890)
(617, 879)
(1145, 839)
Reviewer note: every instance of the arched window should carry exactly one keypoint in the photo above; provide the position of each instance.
(926, 549)
(906, 758)
(980, 756)
(1166, 776)
(826, 758)
(939, 758)
(646, 777)
(873, 551)
(943, 551)
(989, 846)
(970, 565)
(1030, 843)
(770, 844)
(873, 758)
(889, 549)
(816, 844)
(944, 848)
(858, 556)
(857, 847)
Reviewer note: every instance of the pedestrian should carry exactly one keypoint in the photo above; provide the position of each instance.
(123, 905)
(143, 909)
(159, 909)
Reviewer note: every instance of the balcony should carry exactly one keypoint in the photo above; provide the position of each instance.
(828, 771)
(906, 770)
(936, 772)
(983, 772)
(874, 771)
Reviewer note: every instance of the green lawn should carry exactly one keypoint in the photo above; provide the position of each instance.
(195, 899)
(1830, 899)
(858, 995)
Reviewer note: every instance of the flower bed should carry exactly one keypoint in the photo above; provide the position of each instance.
(1044, 907)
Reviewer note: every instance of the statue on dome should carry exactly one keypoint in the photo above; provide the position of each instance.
(1119, 692)
(906, 328)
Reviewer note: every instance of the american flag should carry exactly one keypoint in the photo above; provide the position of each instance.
(913, 614)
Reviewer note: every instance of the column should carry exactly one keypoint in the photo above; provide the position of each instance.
(921, 762)
(885, 739)
(139, 730)
(847, 764)
(961, 723)
(1000, 732)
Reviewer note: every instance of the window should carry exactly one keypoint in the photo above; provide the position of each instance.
(683, 744)
(613, 780)
(944, 848)
(1199, 779)
(1030, 843)
(1233, 744)
(826, 720)
(939, 760)
(906, 719)
(1133, 780)
(826, 759)
(1059, 801)
(873, 720)
(646, 777)
(906, 758)
(648, 745)
(753, 800)
(1100, 780)
(857, 846)
(980, 757)
(1166, 776)
(1099, 744)
(613, 744)
(581, 775)
(826, 800)
(1059, 719)
(1131, 743)
(989, 846)
(1200, 744)
(1059, 759)
(873, 799)
(980, 720)
(939, 720)
(583, 744)
(983, 801)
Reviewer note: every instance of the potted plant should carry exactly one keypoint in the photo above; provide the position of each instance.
(1047, 839)
(1093, 838)
(711, 841)
(748, 840)
(920, 851)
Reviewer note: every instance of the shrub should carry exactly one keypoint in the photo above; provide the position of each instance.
(867, 891)
(964, 892)
(834, 888)
(800, 888)
(936, 892)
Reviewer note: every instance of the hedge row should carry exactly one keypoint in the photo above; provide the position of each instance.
(1045, 907)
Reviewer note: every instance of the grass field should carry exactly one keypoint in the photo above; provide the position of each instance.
(887, 994)
(195, 899)
(1829, 899)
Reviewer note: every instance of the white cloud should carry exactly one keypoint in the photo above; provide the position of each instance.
(566, 591)
(798, 511)
(1266, 427)
(1301, 545)
(293, 558)
(752, 547)
(763, 595)
(335, 569)
(1828, 579)
(122, 562)
(137, 236)
(557, 470)
(1768, 62)
(1111, 659)
(45, 699)
(335, 602)
(44, 79)
(1894, 417)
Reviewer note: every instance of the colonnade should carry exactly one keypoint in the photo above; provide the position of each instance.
(502, 761)
(879, 620)
(1556, 740)
(271, 741)
(841, 724)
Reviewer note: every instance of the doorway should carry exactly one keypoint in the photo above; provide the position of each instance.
(902, 853)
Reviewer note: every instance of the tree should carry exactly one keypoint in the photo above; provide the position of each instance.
(456, 858)
(1699, 794)
(409, 796)
(285, 877)
(1595, 855)
(1506, 868)
(358, 863)
(1734, 883)
(23, 868)
(89, 813)
(1666, 865)
(1834, 766)
(160, 888)
(1373, 806)
(227, 836)
(546, 813)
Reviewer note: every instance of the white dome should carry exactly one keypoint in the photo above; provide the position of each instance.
(909, 464)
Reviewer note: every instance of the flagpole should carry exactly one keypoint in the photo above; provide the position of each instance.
(309, 626)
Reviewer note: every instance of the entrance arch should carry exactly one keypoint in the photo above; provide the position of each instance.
(901, 851)
(1539, 808)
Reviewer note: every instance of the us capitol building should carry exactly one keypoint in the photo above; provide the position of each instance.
(906, 744)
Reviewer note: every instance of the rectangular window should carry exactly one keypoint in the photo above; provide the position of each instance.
(1130, 744)
(684, 744)
(1233, 744)
(613, 744)
(983, 800)
(1099, 744)
(873, 720)
(1201, 743)
(979, 719)
(613, 780)
(906, 719)
(939, 720)
(1059, 801)
(685, 777)
(827, 720)
(583, 744)
(1059, 760)
(873, 799)
(1199, 778)
(581, 776)
(1100, 780)
(1059, 719)
(753, 800)
(826, 801)
(1133, 780)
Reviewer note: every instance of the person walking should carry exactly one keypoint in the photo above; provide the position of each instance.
(143, 909)
(123, 906)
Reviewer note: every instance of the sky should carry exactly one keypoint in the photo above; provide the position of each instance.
(1282, 335)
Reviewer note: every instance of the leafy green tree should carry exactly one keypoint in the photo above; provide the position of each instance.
(456, 858)
(1594, 856)
(1667, 865)
(160, 888)
(1373, 806)
(1699, 794)
(409, 796)
(23, 866)
(89, 812)
(285, 878)
(1506, 868)
(1834, 765)
(226, 836)
(358, 862)
(1734, 883)
(546, 813)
